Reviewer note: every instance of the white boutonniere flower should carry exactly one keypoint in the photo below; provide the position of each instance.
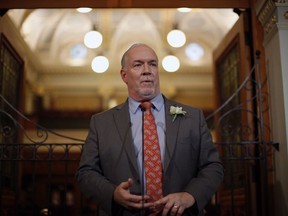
(175, 111)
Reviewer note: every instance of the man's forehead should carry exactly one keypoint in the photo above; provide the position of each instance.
(143, 55)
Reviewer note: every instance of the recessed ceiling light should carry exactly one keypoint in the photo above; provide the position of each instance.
(84, 9)
(184, 9)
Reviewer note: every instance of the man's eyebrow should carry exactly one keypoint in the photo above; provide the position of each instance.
(138, 60)
(143, 61)
(153, 61)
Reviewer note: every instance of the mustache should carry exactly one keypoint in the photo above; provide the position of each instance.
(146, 78)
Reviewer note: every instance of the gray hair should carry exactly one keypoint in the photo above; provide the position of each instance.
(123, 59)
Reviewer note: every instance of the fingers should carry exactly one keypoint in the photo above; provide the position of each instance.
(126, 185)
(123, 197)
(137, 202)
(172, 204)
(130, 182)
(173, 209)
(175, 204)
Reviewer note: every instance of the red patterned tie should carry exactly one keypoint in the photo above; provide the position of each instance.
(152, 156)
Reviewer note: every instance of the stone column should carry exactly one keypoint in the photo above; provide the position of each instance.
(273, 15)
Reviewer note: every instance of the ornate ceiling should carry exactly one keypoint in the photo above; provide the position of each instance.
(51, 34)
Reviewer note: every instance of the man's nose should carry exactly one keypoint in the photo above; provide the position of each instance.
(147, 68)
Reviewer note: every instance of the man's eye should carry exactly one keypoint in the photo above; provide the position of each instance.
(153, 64)
(137, 65)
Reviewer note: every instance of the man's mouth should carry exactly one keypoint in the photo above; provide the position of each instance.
(147, 81)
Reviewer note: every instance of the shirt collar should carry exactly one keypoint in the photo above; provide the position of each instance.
(158, 103)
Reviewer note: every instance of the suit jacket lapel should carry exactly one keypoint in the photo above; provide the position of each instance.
(172, 129)
(123, 124)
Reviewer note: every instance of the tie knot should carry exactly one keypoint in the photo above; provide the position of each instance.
(147, 105)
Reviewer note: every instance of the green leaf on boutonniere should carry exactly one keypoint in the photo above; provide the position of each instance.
(175, 111)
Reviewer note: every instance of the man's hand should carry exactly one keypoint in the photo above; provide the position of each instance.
(176, 203)
(123, 197)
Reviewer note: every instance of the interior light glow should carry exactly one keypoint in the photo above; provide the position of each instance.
(171, 63)
(84, 9)
(194, 51)
(93, 39)
(184, 9)
(78, 51)
(176, 38)
(100, 64)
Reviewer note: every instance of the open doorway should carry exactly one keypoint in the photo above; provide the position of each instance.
(202, 83)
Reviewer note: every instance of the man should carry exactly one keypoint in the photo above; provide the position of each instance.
(111, 167)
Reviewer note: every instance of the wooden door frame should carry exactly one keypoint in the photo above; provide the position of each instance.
(125, 4)
(254, 163)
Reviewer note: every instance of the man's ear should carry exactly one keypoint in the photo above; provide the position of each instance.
(123, 75)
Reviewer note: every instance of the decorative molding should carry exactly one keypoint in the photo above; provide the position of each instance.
(266, 15)
(286, 15)
(282, 12)
(270, 13)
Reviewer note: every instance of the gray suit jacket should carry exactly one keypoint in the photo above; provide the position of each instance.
(191, 161)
